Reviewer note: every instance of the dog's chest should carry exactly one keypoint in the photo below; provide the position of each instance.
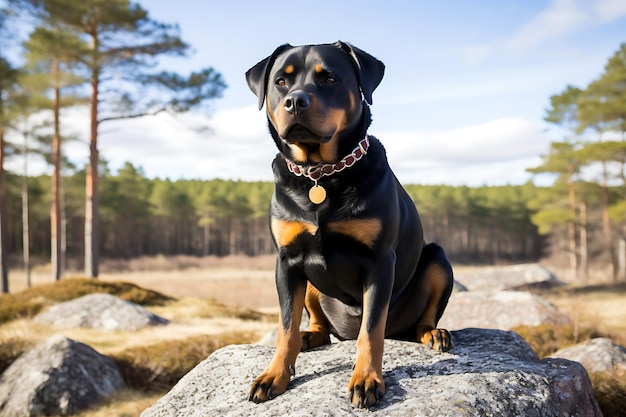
(332, 255)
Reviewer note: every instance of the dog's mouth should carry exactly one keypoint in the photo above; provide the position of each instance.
(303, 135)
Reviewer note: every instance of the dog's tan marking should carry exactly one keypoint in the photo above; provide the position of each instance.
(289, 69)
(427, 332)
(318, 68)
(286, 231)
(318, 332)
(335, 121)
(276, 377)
(365, 231)
(270, 111)
(299, 152)
(367, 376)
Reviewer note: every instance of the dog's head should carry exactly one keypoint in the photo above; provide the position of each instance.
(315, 96)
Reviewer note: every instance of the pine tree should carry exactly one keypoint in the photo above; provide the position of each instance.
(52, 54)
(8, 76)
(563, 160)
(124, 43)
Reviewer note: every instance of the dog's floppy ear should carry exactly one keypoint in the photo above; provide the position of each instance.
(258, 74)
(370, 70)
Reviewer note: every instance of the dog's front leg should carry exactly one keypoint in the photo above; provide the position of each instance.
(367, 385)
(291, 289)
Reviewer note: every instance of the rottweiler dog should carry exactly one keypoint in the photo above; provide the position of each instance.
(350, 244)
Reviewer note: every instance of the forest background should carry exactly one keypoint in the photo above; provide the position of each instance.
(80, 213)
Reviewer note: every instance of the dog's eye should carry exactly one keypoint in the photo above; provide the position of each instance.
(281, 82)
(330, 79)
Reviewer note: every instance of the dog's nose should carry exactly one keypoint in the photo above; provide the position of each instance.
(296, 101)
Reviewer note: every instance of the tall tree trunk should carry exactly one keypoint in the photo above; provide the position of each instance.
(4, 270)
(232, 237)
(206, 246)
(571, 226)
(63, 239)
(606, 221)
(91, 188)
(25, 217)
(584, 248)
(55, 211)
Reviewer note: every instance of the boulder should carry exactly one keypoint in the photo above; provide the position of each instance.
(99, 311)
(499, 310)
(58, 377)
(488, 372)
(511, 277)
(597, 355)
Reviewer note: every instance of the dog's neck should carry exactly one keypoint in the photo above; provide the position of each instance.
(316, 171)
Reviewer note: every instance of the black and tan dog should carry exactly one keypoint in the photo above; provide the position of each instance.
(350, 243)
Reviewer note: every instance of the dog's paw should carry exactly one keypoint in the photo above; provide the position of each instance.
(311, 340)
(365, 388)
(269, 385)
(437, 339)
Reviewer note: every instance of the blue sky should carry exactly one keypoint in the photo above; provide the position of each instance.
(462, 101)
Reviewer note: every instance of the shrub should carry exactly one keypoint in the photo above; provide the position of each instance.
(10, 349)
(610, 392)
(547, 338)
(158, 367)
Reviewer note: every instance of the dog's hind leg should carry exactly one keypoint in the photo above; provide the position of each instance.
(438, 281)
(318, 333)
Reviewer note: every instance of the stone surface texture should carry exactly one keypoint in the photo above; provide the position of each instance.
(499, 310)
(58, 377)
(510, 277)
(99, 311)
(597, 355)
(487, 373)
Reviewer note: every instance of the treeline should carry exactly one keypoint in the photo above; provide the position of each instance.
(142, 216)
(585, 209)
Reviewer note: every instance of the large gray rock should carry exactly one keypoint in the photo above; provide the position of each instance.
(99, 311)
(499, 310)
(510, 277)
(487, 373)
(58, 377)
(597, 355)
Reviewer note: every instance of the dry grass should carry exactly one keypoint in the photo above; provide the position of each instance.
(601, 307)
(610, 392)
(126, 402)
(158, 367)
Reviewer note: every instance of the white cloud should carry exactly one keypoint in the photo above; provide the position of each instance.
(559, 18)
(237, 145)
(497, 152)
(240, 147)
(610, 10)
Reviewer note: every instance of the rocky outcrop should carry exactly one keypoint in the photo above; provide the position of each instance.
(511, 277)
(597, 355)
(99, 311)
(488, 372)
(499, 310)
(58, 377)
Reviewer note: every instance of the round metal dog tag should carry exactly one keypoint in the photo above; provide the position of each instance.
(317, 194)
